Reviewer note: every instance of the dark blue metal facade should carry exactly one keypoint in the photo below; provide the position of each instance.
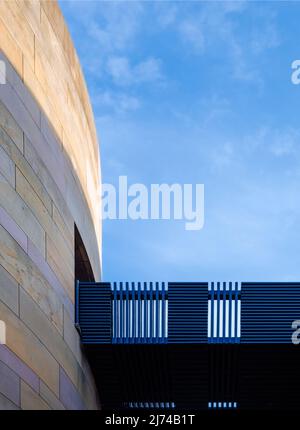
(187, 312)
(156, 312)
(93, 312)
(192, 345)
(268, 311)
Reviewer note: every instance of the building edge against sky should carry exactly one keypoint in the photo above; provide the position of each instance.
(50, 231)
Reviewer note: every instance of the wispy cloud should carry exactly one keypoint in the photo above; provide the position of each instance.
(123, 73)
(118, 102)
(114, 25)
(213, 27)
(223, 155)
(192, 33)
(278, 142)
(286, 143)
(265, 36)
(110, 33)
(166, 13)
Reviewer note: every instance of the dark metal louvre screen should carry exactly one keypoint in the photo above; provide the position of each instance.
(187, 312)
(224, 312)
(94, 312)
(139, 312)
(268, 310)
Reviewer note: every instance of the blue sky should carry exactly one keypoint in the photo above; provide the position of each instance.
(198, 92)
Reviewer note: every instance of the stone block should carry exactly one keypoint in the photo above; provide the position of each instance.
(18, 210)
(9, 124)
(30, 400)
(50, 398)
(23, 270)
(9, 291)
(7, 168)
(29, 349)
(6, 404)
(9, 384)
(19, 367)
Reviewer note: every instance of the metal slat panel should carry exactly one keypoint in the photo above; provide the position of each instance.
(164, 334)
(218, 311)
(127, 313)
(157, 310)
(134, 319)
(120, 339)
(268, 310)
(224, 338)
(151, 313)
(145, 313)
(212, 307)
(115, 331)
(139, 313)
(236, 322)
(95, 312)
(187, 312)
(224, 321)
(133, 312)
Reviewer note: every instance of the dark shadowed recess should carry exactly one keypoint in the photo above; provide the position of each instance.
(83, 268)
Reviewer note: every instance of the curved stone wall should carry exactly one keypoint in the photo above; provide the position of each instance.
(49, 182)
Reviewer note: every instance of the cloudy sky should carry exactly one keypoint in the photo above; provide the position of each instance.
(198, 92)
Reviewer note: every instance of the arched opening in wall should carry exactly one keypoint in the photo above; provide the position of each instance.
(83, 268)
